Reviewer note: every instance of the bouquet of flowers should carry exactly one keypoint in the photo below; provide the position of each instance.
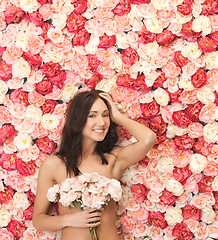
(89, 190)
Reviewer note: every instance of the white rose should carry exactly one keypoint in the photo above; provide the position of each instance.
(191, 51)
(205, 95)
(49, 121)
(29, 5)
(154, 25)
(3, 87)
(211, 60)
(160, 4)
(107, 84)
(202, 23)
(161, 96)
(21, 68)
(183, 18)
(23, 141)
(173, 215)
(134, 13)
(34, 113)
(165, 164)
(92, 45)
(207, 214)
(197, 163)
(117, 63)
(20, 200)
(180, 131)
(210, 132)
(122, 40)
(151, 50)
(21, 40)
(215, 184)
(55, 56)
(2, 98)
(170, 131)
(175, 187)
(128, 176)
(59, 20)
(5, 217)
(68, 92)
(52, 193)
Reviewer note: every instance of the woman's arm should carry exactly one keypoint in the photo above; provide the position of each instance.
(132, 153)
(41, 219)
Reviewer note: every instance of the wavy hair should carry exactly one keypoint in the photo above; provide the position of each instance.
(71, 143)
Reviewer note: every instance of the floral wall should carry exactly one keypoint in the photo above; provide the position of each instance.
(158, 59)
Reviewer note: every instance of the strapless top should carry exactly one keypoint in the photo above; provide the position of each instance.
(88, 190)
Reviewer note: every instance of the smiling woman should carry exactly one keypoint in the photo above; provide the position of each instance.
(85, 172)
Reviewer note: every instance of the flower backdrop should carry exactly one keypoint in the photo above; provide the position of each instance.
(159, 61)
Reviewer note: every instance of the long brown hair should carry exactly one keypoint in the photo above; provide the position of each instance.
(71, 144)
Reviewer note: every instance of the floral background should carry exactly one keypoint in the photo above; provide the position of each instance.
(158, 59)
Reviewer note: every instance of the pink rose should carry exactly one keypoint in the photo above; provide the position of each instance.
(7, 133)
(7, 195)
(139, 191)
(48, 106)
(5, 71)
(145, 36)
(209, 7)
(28, 213)
(191, 212)
(184, 142)
(75, 22)
(13, 14)
(140, 1)
(25, 168)
(181, 119)
(202, 147)
(211, 169)
(157, 219)
(107, 41)
(150, 109)
(35, 17)
(46, 145)
(19, 96)
(122, 8)
(167, 198)
(165, 37)
(214, 36)
(93, 61)
(8, 161)
(94, 80)
(199, 79)
(79, 6)
(181, 174)
(205, 184)
(140, 215)
(81, 37)
(44, 87)
(182, 232)
(16, 228)
(35, 60)
(193, 111)
(180, 60)
(5, 234)
(127, 222)
(186, 7)
(187, 30)
(207, 44)
(129, 56)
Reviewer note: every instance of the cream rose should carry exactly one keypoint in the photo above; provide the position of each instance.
(20, 200)
(175, 187)
(23, 141)
(207, 214)
(191, 51)
(197, 163)
(186, 83)
(161, 96)
(33, 113)
(206, 95)
(92, 46)
(170, 131)
(50, 121)
(59, 20)
(21, 40)
(173, 215)
(117, 63)
(215, 184)
(3, 87)
(183, 18)
(211, 132)
(2, 97)
(55, 56)
(122, 40)
(21, 68)
(180, 131)
(5, 217)
(211, 60)
(154, 25)
(29, 5)
(165, 164)
(202, 24)
(160, 4)
(68, 92)
(107, 84)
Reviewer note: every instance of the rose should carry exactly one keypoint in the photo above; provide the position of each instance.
(187, 30)
(184, 142)
(75, 22)
(106, 41)
(93, 61)
(25, 168)
(28, 213)
(123, 7)
(161, 96)
(5, 234)
(81, 38)
(5, 71)
(173, 215)
(209, 6)
(129, 56)
(13, 14)
(5, 217)
(16, 228)
(46, 145)
(139, 191)
(214, 37)
(150, 109)
(174, 97)
(125, 133)
(207, 44)
(125, 81)
(80, 6)
(7, 195)
(199, 79)
(50, 69)
(193, 111)
(157, 219)
(197, 163)
(45, 29)
(7, 133)
(186, 7)
(179, 59)
(202, 147)
(31, 196)
(35, 17)
(139, 83)
(145, 36)
(35, 60)
(140, 1)
(44, 87)
(8, 161)
(191, 212)
(94, 80)
(58, 78)
(181, 119)
(167, 198)
(19, 96)
(205, 185)
(181, 174)
(48, 106)
(165, 37)
(20, 201)
(160, 79)
(182, 232)
(158, 125)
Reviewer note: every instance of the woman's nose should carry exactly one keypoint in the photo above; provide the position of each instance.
(101, 121)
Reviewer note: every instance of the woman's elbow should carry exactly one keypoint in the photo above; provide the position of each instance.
(151, 139)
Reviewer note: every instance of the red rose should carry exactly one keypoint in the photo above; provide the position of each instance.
(144, 162)
(46, 145)
(2, 49)
(75, 22)
(16, 228)
(207, 44)
(129, 56)
(145, 36)
(44, 1)
(25, 168)
(19, 96)
(7, 195)
(5, 71)
(36, 18)
(107, 41)
(94, 80)
(174, 97)
(8, 161)
(140, 1)
(124, 7)
(157, 219)
(158, 125)
(191, 212)
(13, 14)
(125, 133)
(209, 7)
(215, 194)
(48, 106)
(199, 79)
(187, 30)
(125, 81)
(139, 83)
(184, 142)
(45, 29)
(202, 147)
(28, 213)
(205, 184)
(7, 133)
(186, 7)
(79, 6)
(35, 60)
(150, 109)
(49, 69)
(139, 192)
(44, 87)
(167, 198)
(160, 138)
(58, 78)
(144, 121)
(180, 60)
(31, 196)
(160, 79)
(214, 37)
(181, 119)
(165, 37)
(93, 61)
(81, 38)
(216, 97)
(182, 232)
(181, 174)
(193, 111)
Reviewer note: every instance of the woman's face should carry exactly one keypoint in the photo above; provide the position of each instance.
(98, 122)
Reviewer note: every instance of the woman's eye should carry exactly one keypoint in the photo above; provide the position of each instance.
(91, 116)
(106, 115)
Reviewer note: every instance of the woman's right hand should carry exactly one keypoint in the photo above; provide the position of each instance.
(84, 218)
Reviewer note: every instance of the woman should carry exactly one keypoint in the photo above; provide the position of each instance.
(89, 145)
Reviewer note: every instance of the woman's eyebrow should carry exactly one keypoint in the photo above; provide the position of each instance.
(97, 111)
